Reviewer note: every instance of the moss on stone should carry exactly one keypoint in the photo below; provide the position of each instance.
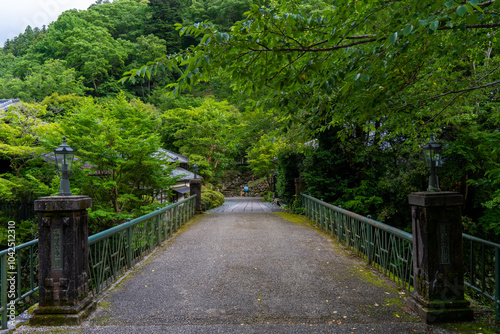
(31, 310)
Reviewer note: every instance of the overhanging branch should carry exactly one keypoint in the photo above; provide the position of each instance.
(467, 89)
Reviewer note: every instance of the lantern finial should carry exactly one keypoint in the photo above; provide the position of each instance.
(64, 161)
(432, 155)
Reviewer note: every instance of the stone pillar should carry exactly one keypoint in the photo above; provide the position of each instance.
(63, 261)
(195, 189)
(437, 257)
(299, 185)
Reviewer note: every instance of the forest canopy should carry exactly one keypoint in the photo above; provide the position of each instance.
(343, 93)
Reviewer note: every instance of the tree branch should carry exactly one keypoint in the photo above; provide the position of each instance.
(474, 26)
(467, 89)
(309, 49)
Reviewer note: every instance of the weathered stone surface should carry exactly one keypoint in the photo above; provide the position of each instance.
(440, 198)
(437, 256)
(195, 189)
(233, 183)
(63, 259)
(63, 203)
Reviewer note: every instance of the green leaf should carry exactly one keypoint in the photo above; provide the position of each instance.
(461, 10)
(408, 30)
(434, 25)
(365, 78)
(449, 4)
(393, 37)
(471, 19)
(475, 6)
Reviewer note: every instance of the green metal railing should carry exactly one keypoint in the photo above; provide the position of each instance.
(21, 265)
(385, 247)
(110, 252)
(391, 250)
(119, 248)
(482, 269)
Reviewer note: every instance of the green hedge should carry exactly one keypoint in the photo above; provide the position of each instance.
(211, 198)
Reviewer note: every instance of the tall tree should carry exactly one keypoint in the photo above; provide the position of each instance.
(119, 141)
(165, 14)
(361, 62)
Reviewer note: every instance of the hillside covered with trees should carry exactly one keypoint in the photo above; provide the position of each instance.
(343, 93)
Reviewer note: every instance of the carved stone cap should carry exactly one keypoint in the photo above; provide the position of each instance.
(440, 198)
(63, 203)
(195, 181)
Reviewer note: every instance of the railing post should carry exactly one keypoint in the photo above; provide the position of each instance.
(3, 265)
(193, 206)
(176, 213)
(185, 208)
(330, 222)
(321, 216)
(315, 212)
(158, 233)
(170, 222)
(339, 227)
(129, 248)
(63, 261)
(497, 283)
(369, 245)
(438, 258)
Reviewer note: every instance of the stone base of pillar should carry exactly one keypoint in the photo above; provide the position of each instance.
(438, 311)
(63, 315)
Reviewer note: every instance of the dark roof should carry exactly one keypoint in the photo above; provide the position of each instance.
(184, 174)
(182, 190)
(173, 157)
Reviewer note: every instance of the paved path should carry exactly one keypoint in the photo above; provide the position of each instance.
(246, 204)
(250, 273)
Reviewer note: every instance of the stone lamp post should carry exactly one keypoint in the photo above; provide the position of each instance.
(63, 278)
(437, 250)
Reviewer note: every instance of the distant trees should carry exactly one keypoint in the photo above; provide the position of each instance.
(118, 140)
(378, 76)
(101, 43)
(43, 80)
(164, 15)
(367, 80)
(209, 133)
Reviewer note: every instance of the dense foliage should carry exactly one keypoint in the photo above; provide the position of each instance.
(378, 77)
(342, 93)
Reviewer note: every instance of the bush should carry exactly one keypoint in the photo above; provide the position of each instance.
(211, 198)
(268, 196)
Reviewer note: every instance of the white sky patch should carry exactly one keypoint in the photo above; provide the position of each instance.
(16, 15)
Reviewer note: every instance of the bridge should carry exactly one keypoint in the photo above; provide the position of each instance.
(248, 270)
(246, 267)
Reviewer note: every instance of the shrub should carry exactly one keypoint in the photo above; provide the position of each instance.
(211, 198)
(268, 196)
